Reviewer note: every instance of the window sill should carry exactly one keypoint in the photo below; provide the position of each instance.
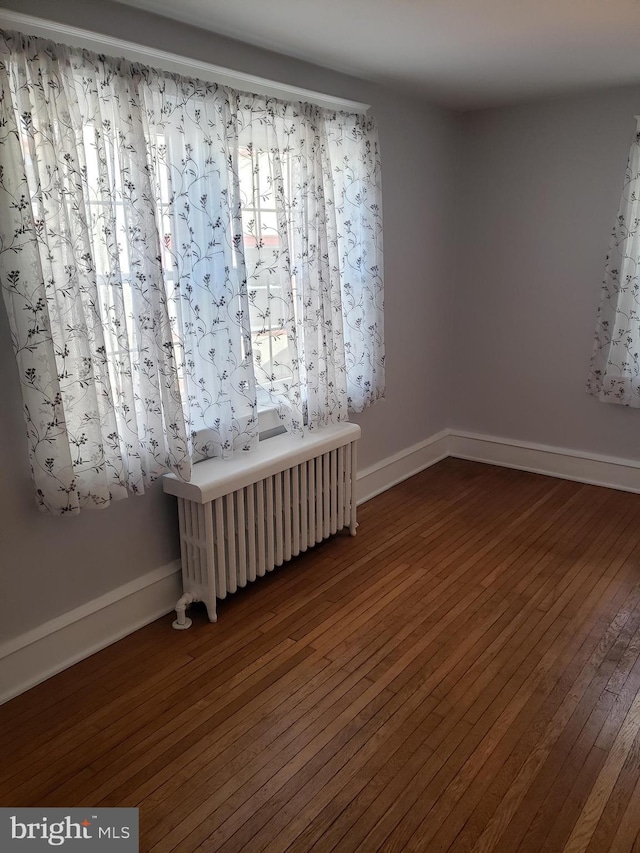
(269, 424)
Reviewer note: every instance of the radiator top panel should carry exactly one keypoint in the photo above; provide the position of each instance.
(215, 478)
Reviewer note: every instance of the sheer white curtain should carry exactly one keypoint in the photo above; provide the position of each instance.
(172, 253)
(192, 156)
(615, 364)
(87, 304)
(313, 243)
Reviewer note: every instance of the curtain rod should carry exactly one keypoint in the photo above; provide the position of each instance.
(173, 62)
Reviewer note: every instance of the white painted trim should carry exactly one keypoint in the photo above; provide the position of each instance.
(613, 472)
(38, 654)
(172, 62)
(394, 469)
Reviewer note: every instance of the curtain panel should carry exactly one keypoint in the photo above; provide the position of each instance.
(174, 255)
(615, 364)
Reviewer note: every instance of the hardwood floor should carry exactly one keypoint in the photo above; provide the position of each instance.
(464, 675)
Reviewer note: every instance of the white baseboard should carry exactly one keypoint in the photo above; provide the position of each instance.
(611, 471)
(38, 654)
(48, 649)
(394, 469)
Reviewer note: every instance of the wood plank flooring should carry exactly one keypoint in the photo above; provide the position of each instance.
(462, 676)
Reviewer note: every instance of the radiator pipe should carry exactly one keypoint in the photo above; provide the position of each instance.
(182, 622)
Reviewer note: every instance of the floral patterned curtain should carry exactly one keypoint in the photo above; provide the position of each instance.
(615, 364)
(310, 180)
(174, 254)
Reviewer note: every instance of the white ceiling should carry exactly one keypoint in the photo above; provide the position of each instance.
(464, 53)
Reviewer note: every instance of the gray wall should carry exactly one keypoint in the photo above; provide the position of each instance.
(50, 565)
(496, 228)
(538, 189)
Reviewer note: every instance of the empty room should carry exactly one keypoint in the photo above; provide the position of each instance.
(320, 433)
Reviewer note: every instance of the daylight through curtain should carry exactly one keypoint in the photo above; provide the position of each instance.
(615, 364)
(173, 256)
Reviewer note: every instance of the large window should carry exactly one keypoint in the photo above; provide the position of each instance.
(175, 255)
(273, 349)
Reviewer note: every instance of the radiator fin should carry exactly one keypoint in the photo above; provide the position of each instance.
(231, 540)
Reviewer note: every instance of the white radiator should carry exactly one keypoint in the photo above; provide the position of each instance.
(240, 518)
